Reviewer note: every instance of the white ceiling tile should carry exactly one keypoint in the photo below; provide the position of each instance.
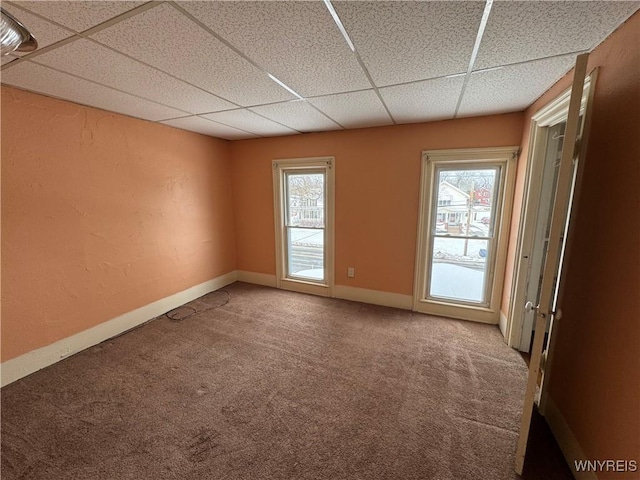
(407, 41)
(521, 31)
(44, 32)
(423, 101)
(168, 40)
(354, 109)
(298, 42)
(207, 127)
(512, 88)
(44, 80)
(251, 122)
(95, 62)
(79, 15)
(298, 115)
(408, 47)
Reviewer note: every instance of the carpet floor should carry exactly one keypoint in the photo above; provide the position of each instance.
(273, 385)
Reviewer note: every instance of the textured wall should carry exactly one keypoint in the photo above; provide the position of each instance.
(377, 193)
(102, 214)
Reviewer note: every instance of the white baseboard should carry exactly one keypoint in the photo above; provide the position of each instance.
(257, 278)
(503, 326)
(35, 360)
(375, 297)
(355, 294)
(567, 442)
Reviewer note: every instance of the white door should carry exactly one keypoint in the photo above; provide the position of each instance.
(548, 286)
(303, 207)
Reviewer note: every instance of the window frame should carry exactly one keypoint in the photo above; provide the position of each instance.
(432, 161)
(280, 168)
(490, 238)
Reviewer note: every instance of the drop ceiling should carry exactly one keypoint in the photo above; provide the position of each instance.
(264, 68)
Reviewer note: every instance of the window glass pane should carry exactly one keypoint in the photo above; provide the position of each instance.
(305, 199)
(305, 252)
(465, 202)
(459, 269)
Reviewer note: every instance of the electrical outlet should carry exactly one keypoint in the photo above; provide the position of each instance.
(351, 272)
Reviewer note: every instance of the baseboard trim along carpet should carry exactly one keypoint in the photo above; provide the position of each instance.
(567, 442)
(35, 360)
(503, 325)
(355, 294)
(375, 297)
(264, 279)
(364, 295)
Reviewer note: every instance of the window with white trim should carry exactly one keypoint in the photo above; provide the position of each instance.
(303, 203)
(465, 199)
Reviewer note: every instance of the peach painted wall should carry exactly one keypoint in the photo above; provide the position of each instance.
(377, 192)
(102, 214)
(595, 380)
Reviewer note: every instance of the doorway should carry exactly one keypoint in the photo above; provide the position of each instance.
(553, 153)
(547, 141)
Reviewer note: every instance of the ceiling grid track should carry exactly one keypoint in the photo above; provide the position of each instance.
(252, 62)
(120, 57)
(481, 70)
(474, 53)
(86, 35)
(345, 34)
(74, 34)
(110, 87)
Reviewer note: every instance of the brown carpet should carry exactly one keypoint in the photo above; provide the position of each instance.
(273, 385)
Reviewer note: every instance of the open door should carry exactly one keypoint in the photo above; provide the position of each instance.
(545, 311)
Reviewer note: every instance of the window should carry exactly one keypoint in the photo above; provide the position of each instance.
(303, 199)
(303, 225)
(465, 195)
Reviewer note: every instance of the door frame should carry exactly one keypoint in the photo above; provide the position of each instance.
(506, 157)
(543, 218)
(325, 164)
(554, 112)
